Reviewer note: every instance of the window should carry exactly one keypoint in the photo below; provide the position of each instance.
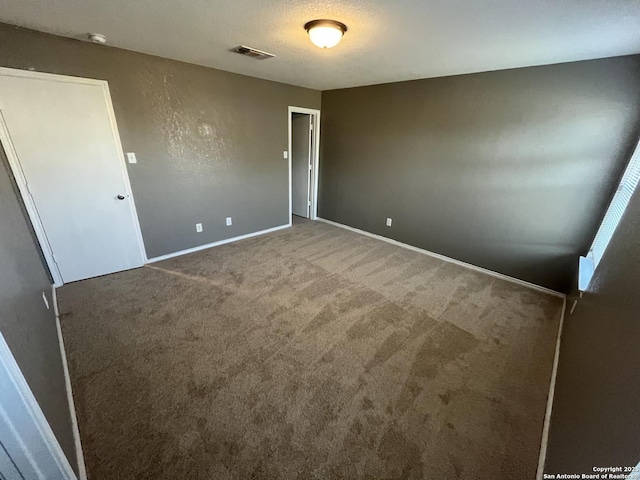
(616, 209)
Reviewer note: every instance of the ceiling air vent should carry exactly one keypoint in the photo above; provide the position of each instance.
(253, 52)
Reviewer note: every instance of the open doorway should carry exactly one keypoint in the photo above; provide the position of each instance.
(303, 161)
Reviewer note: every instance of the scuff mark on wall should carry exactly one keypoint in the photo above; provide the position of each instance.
(205, 130)
(198, 139)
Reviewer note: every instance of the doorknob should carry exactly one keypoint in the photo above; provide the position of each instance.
(120, 197)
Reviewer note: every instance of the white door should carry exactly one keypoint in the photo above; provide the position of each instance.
(8, 469)
(63, 138)
(300, 164)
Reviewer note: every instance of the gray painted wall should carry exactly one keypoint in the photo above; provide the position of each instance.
(209, 143)
(27, 326)
(509, 170)
(595, 419)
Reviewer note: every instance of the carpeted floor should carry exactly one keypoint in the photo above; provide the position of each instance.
(309, 353)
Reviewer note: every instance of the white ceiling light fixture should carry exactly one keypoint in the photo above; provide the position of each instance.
(325, 33)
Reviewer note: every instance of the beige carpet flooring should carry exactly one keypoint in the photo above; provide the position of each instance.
(309, 353)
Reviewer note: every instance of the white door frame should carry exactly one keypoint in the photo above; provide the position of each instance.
(24, 430)
(313, 213)
(14, 163)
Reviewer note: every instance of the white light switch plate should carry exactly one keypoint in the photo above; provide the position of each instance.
(285, 154)
(131, 157)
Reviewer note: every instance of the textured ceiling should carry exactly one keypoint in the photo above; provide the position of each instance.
(387, 40)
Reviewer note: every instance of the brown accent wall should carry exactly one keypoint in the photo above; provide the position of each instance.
(509, 170)
(596, 415)
(26, 325)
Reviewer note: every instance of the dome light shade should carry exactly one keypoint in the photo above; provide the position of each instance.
(325, 33)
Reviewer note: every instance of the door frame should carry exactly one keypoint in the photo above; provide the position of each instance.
(29, 440)
(313, 212)
(14, 164)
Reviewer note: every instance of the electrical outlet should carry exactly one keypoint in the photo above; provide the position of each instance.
(132, 157)
(389, 220)
(46, 302)
(285, 154)
(198, 227)
(229, 223)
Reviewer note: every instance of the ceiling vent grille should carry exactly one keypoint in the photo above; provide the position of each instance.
(253, 52)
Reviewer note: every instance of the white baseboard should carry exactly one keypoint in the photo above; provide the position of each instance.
(447, 259)
(82, 470)
(552, 390)
(215, 244)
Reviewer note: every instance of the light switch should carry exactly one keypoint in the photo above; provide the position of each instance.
(131, 157)
(285, 154)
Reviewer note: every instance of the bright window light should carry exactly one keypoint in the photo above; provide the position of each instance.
(611, 220)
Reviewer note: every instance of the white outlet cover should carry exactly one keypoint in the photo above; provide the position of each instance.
(389, 221)
(131, 157)
(285, 154)
(229, 222)
(198, 227)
